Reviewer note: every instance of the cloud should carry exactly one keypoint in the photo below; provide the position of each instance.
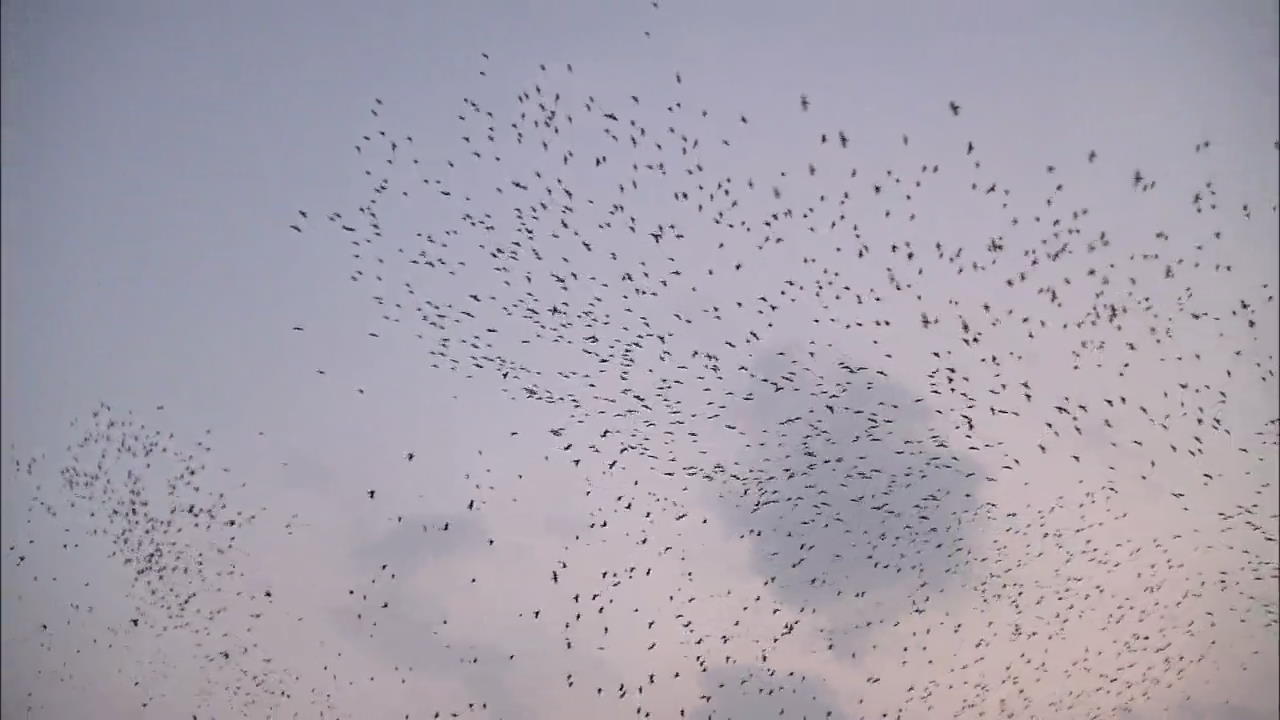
(859, 497)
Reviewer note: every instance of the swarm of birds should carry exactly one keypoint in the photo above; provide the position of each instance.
(1044, 499)
(169, 523)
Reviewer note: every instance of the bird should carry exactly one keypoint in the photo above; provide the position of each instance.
(896, 492)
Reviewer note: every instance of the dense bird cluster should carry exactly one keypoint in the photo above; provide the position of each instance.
(1034, 501)
(173, 531)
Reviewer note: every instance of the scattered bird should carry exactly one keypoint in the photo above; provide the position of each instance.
(914, 533)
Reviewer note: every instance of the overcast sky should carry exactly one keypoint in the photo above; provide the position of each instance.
(155, 155)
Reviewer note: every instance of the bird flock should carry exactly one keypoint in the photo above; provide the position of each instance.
(158, 510)
(985, 448)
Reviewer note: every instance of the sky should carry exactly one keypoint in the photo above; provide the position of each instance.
(155, 156)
